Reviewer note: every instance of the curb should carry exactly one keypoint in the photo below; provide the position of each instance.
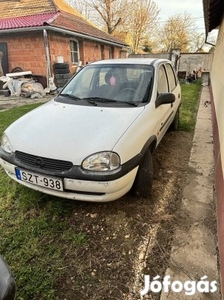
(194, 251)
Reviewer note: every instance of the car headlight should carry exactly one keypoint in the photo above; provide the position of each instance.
(101, 161)
(5, 144)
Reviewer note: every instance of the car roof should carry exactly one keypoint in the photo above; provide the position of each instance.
(136, 61)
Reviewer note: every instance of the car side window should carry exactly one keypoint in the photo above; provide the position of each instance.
(162, 81)
(171, 77)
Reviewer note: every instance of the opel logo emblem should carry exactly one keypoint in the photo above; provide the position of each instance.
(39, 162)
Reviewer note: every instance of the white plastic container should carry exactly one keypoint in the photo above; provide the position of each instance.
(60, 59)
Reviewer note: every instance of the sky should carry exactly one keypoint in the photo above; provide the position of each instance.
(194, 8)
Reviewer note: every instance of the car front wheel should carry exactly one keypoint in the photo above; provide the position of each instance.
(143, 182)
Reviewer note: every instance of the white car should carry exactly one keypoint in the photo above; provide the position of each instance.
(94, 141)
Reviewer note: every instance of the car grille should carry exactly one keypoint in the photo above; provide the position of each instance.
(43, 163)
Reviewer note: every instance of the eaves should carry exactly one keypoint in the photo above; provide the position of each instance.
(63, 31)
(213, 14)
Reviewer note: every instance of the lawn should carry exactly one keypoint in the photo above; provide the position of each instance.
(188, 111)
(38, 236)
(35, 236)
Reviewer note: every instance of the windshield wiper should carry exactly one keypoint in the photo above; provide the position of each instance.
(128, 102)
(99, 99)
(70, 96)
(93, 100)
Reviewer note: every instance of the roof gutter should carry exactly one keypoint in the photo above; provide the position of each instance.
(47, 56)
(206, 42)
(63, 31)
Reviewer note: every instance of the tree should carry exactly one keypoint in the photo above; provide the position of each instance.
(111, 12)
(106, 14)
(141, 21)
(177, 33)
(146, 48)
(130, 19)
(81, 6)
(197, 42)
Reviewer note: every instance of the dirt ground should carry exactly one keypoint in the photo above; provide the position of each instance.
(129, 237)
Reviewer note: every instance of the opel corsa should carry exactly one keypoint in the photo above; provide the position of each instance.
(94, 141)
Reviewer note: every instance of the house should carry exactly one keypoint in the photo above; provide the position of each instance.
(36, 34)
(214, 19)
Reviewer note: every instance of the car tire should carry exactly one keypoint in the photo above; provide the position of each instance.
(62, 71)
(61, 82)
(174, 125)
(63, 76)
(60, 66)
(17, 69)
(143, 182)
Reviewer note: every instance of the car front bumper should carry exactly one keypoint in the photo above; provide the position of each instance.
(83, 190)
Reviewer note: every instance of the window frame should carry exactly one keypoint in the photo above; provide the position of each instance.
(163, 69)
(170, 68)
(76, 52)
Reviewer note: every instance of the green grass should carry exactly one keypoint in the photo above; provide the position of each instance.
(37, 231)
(36, 236)
(188, 110)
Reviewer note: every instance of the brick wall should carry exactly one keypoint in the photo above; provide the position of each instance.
(27, 51)
(89, 50)
(93, 51)
(59, 46)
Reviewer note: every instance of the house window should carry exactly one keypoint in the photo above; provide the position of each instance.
(74, 47)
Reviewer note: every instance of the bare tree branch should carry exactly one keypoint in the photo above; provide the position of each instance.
(180, 32)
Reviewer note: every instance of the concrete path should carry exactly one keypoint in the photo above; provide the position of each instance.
(194, 251)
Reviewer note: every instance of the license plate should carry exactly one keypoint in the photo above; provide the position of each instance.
(41, 180)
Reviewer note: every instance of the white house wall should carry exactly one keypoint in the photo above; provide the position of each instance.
(217, 82)
(217, 97)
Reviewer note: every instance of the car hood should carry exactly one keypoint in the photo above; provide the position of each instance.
(70, 132)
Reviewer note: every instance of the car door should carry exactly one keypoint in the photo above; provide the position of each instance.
(174, 86)
(164, 112)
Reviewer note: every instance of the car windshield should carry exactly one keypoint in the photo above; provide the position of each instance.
(115, 84)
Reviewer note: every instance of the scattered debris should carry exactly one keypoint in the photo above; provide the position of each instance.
(207, 103)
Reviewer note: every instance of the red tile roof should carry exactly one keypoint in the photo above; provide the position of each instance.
(79, 25)
(27, 21)
(20, 14)
(19, 8)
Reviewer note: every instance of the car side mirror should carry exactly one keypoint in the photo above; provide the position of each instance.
(7, 282)
(165, 98)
